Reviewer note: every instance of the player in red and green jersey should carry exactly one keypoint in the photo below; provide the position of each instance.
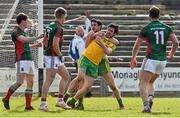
(156, 34)
(24, 63)
(53, 60)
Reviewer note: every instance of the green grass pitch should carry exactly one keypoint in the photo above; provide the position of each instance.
(96, 107)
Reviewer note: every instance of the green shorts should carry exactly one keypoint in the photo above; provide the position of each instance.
(88, 67)
(104, 67)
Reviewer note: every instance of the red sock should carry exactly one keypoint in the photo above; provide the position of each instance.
(43, 99)
(60, 96)
(9, 94)
(28, 95)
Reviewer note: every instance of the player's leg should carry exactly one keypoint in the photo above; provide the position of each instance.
(74, 84)
(108, 77)
(80, 104)
(50, 75)
(63, 72)
(88, 82)
(144, 78)
(29, 91)
(87, 71)
(147, 71)
(104, 70)
(51, 65)
(151, 90)
(12, 89)
(29, 69)
(19, 81)
(158, 71)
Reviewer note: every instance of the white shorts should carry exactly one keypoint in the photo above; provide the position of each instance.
(52, 62)
(25, 66)
(153, 66)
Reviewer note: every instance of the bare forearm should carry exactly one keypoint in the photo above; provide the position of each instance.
(37, 45)
(135, 51)
(29, 39)
(136, 47)
(174, 48)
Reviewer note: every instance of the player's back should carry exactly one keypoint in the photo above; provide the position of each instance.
(157, 35)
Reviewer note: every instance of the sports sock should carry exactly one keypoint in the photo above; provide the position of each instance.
(28, 95)
(120, 102)
(11, 90)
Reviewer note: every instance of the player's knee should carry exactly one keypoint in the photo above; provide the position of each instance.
(18, 84)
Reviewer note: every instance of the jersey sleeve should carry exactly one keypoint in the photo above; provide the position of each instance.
(142, 33)
(59, 32)
(170, 30)
(15, 35)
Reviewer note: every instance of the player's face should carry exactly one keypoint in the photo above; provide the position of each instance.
(110, 32)
(95, 27)
(27, 23)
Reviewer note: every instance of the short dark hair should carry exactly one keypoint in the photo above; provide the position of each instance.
(116, 28)
(97, 21)
(20, 17)
(59, 12)
(154, 12)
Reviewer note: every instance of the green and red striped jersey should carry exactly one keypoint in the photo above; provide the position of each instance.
(156, 35)
(53, 30)
(22, 50)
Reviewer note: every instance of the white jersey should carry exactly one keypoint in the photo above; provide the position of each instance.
(76, 47)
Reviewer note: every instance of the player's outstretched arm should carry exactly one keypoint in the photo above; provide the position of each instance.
(78, 18)
(37, 45)
(29, 39)
(135, 51)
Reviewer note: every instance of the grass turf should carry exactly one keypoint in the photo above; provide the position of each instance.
(95, 107)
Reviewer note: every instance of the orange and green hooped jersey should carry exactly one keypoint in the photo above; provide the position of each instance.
(95, 52)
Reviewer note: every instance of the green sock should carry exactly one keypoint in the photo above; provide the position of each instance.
(120, 102)
(67, 94)
(73, 100)
(81, 100)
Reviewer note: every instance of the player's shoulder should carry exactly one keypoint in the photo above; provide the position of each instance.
(55, 24)
(165, 25)
(16, 30)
